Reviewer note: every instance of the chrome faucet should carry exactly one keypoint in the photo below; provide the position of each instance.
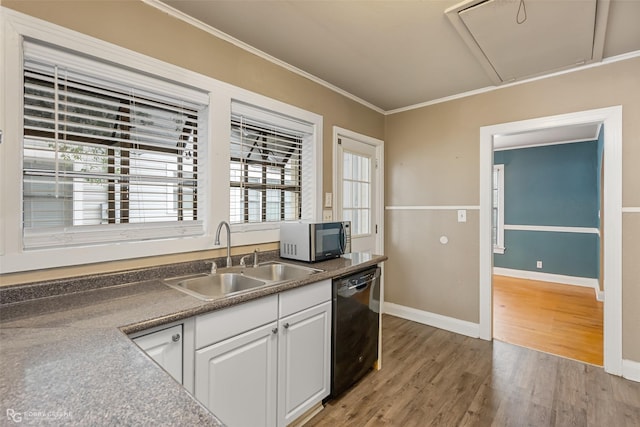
(255, 259)
(217, 241)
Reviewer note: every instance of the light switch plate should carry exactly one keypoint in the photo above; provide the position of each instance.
(327, 215)
(328, 200)
(462, 215)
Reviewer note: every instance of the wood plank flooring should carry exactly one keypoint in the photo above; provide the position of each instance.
(431, 377)
(559, 319)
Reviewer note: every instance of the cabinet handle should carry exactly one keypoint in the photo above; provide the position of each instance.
(274, 330)
(175, 338)
(286, 326)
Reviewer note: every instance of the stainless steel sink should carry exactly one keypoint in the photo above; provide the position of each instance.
(232, 280)
(213, 286)
(278, 272)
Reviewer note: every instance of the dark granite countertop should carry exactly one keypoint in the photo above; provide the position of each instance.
(66, 359)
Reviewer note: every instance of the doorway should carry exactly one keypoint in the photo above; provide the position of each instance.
(611, 118)
(546, 206)
(358, 188)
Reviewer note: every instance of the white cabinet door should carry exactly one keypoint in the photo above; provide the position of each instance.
(304, 355)
(165, 347)
(236, 378)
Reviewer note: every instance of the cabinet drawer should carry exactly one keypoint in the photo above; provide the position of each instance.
(228, 322)
(165, 348)
(304, 297)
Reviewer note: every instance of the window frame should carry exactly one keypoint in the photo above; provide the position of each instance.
(119, 150)
(259, 106)
(302, 147)
(499, 247)
(13, 258)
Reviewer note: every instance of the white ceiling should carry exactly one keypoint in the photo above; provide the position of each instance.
(395, 54)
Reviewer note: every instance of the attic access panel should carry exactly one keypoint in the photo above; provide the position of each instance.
(514, 40)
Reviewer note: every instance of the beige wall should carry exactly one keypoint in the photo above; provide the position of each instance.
(631, 282)
(423, 273)
(144, 29)
(432, 159)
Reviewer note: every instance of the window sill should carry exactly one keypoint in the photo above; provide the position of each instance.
(499, 250)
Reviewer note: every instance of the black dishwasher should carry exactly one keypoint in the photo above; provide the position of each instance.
(356, 320)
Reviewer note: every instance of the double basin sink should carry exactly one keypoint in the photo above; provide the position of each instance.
(232, 280)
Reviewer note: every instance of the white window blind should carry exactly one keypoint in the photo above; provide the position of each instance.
(108, 154)
(270, 166)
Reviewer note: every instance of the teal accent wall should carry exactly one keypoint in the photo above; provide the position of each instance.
(569, 254)
(551, 185)
(555, 185)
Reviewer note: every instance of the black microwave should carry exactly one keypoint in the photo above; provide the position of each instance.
(314, 241)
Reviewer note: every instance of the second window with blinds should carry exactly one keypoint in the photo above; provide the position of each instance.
(269, 154)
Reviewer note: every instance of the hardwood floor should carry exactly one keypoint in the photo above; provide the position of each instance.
(550, 317)
(431, 377)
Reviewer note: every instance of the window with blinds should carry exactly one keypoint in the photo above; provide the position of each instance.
(267, 169)
(497, 217)
(108, 154)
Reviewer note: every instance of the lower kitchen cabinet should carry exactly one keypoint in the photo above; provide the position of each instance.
(165, 347)
(304, 369)
(236, 378)
(274, 369)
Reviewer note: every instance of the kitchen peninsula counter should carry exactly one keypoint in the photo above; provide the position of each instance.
(67, 358)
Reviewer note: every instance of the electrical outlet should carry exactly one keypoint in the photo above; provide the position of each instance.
(538, 264)
(462, 215)
(327, 215)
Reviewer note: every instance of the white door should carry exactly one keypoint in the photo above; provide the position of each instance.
(304, 352)
(165, 347)
(236, 378)
(356, 192)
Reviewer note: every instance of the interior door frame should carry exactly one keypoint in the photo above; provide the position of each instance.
(379, 176)
(611, 118)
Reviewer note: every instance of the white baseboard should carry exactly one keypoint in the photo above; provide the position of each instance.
(555, 278)
(451, 324)
(631, 370)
